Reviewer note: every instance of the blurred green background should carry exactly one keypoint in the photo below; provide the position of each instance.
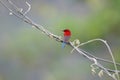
(27, 54)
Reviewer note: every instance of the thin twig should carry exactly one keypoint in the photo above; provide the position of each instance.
(100, 59)
(29, 7)
(108, 47)
(95, 62)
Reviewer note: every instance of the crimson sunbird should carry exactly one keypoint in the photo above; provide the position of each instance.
(67, 35)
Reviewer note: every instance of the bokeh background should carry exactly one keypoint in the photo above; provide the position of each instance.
(27, 54)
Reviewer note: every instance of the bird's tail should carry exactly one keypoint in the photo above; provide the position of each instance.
(63, 44)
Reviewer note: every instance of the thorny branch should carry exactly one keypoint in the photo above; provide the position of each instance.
(18, 12)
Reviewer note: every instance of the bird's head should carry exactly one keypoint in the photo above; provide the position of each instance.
(67, 32)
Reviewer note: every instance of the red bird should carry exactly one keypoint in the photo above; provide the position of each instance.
(67, 35)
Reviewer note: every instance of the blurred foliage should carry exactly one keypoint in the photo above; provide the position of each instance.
(29, 55)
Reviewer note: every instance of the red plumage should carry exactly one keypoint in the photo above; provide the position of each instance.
(67, 35)
(67, 32)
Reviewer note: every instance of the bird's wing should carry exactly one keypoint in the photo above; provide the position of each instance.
(66, 38)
